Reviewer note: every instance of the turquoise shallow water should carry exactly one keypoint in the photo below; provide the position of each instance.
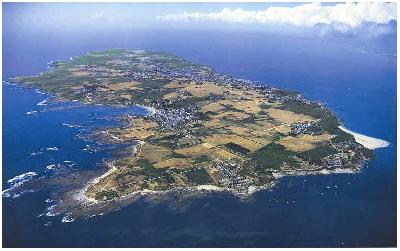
(332, 210)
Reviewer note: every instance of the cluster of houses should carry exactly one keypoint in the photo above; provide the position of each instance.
(333, 160)
(230, 179)
(195, 73)
(173, 118)
(206, 74)
(301, 127)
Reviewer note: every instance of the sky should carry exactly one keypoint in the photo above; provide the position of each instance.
(371, 19)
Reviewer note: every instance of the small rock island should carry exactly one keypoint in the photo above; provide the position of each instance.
(203, 130)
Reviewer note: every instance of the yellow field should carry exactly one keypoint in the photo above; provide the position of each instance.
(170, 96)
(179, 163)
(234, 93)
(172, 85)
(143, 123)
(212, 107)
(215, 123)
(250, 106)
(222, 139)
(260, 140)
(202, 90)
(195, 150)
(282, 129)
(141, 130)
(221, 153)
(132, 85)
(80, 73)
(132, 133)
(118, 62)
(304, 142)
(239, 130)
(154, 153)
(288, 116)
(231, 115)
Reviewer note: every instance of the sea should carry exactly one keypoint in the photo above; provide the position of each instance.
(354, 78)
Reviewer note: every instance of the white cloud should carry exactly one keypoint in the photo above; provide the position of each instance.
(343, 16)
(98, 16)
(102, 18)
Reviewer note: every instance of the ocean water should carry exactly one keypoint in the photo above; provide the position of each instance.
(357, 81)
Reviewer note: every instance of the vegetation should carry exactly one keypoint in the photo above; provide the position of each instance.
(198, 176)
(277, 136)
(313, 109)
(202, 158)
(237, 148)
(271, 156)
(204, 131)
(315, 155)
(106, 195)
(342, 136)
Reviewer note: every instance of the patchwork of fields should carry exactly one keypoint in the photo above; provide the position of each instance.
(205, 128)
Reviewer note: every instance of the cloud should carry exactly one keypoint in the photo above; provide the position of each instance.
(109, 18)
(342, 17)
(100, 17)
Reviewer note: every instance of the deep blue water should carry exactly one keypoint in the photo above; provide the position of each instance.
(357, 81)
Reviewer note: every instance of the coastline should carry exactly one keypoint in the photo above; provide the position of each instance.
(366, 141)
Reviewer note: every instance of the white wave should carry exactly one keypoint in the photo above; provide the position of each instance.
(22, 177)
(16, 182)
(42, 103)
(53, 148)
(50, 214)
(6, 193)
(324, 172)
(51, 166)
(343, 170)
(89, 149)
(31, 112)
(35, 153)
(16, 195)
(49, 208)
(94, 215)
(6, 83)
(70, 163)
(67, 219)
(70, 125)
(208, 188)
(40, 92)
(279, 175)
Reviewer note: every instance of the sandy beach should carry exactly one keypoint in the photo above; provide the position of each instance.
(366, 141)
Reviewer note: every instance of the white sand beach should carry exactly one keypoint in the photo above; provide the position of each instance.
(366, 141)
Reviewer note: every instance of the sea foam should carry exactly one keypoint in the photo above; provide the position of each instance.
(16, 182)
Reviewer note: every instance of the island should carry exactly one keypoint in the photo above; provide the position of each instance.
(202, 130)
